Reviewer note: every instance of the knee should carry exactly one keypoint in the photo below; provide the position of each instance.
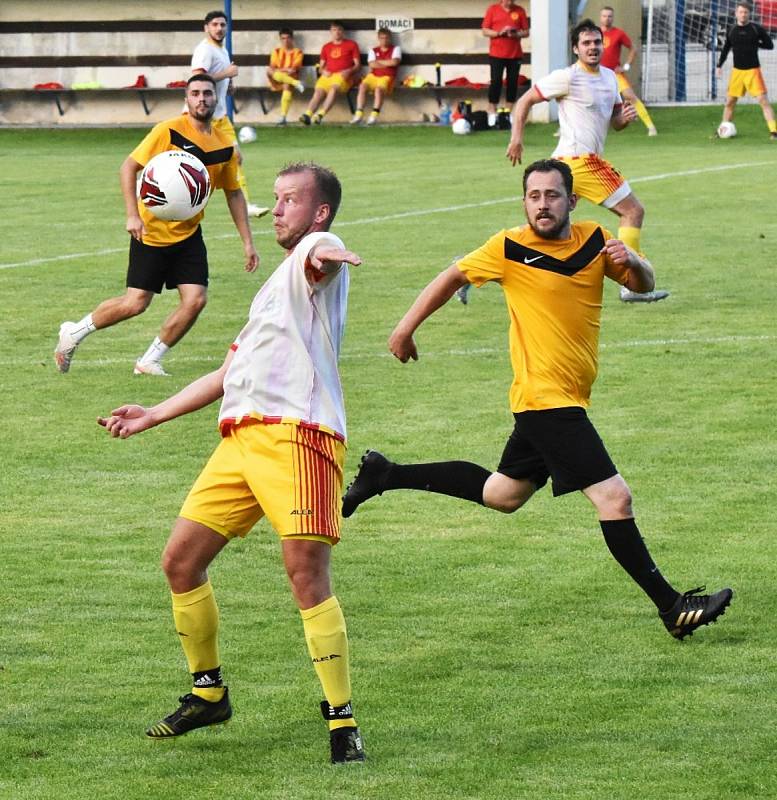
(194, 305)
(637, 214)
(617, 504)
(172, 566)
(135, 305)
(507, 505)
(309, 587)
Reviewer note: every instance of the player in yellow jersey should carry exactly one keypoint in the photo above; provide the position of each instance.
(552, 273)
(283, 72)
(162, 253)
(211, 57)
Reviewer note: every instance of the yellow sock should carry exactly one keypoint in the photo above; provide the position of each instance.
(196, 618)
(630, 237)
(285, 101)
(359, 113)
(643, 114)
(282, 77)
(772, 126)
(327, 640)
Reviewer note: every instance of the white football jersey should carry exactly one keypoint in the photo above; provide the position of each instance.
(585, 105)
(285, 361)
(213, 59)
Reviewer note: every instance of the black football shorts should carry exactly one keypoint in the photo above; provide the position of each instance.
(560, 443)
(151, 268)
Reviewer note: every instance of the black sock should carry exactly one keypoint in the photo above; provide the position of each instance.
(625, 543)
(455, 478)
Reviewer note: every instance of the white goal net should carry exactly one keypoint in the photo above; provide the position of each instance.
(681, 43)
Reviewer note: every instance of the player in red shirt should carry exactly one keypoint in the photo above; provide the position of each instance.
(504, 24)
(383, 61)
(340, 62)
(614, 39)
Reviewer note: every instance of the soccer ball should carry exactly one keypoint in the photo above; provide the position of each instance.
(174, 185)
(727, 130)
(462, 126)
(246, 134)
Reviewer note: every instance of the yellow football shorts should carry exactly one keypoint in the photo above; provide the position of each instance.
(289, 473)
(373, 82)
(597, 180)
(333, 81)
(224, 124)
(746, 80)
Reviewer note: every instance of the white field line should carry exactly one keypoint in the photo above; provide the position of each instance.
(390, 217)
(22, 361)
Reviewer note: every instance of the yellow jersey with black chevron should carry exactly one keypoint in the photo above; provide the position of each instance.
(553, 289)
(216, 152)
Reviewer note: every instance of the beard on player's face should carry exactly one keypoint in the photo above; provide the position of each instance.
(548, 225)
(201, 107)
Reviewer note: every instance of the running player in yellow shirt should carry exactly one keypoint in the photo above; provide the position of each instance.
(168, 254)
(552, 273)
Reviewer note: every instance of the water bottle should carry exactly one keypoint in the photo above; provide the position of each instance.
(445, 114)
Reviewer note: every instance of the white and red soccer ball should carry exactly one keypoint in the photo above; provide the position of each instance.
(174, 185)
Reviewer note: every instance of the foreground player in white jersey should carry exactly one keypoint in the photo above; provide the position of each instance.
(211, 56)
(589, 103)
(282, 421)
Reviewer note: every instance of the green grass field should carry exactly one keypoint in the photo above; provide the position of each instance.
(493, 657)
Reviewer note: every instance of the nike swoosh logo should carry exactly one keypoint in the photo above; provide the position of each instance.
(188, 147)
(531, 260)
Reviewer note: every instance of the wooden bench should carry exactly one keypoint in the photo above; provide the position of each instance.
(147, 63)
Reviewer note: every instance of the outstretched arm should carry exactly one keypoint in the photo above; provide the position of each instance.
(434, 296)
(131, 419)
(325, 258)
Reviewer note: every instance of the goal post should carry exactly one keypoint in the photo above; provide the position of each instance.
(682, 40)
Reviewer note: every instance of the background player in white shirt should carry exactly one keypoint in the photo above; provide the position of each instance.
(211, 56)
(589, 104)
(281, 456)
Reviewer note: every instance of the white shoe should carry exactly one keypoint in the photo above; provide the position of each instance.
(372, 120)
(299, 86)
(356, 119)
(652, 131)
(66, 346)
(627, 296)
(491, 120)
(257, 211)
(150, 368)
